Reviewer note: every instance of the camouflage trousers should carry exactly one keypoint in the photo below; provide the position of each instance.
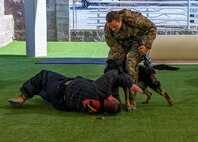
(133, 59)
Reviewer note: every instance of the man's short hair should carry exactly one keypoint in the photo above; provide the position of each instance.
(112, 15)
(112, 105)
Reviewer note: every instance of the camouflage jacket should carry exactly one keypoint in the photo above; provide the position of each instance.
(134, 26)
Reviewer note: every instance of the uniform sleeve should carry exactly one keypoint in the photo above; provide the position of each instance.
(116, 50)
(144, 24)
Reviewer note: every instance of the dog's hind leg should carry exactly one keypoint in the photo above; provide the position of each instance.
(166, 96)
(148, 95)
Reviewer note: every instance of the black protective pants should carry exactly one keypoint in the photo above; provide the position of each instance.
(49, 85)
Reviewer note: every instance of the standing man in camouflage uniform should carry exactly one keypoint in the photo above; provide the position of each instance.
(122, 31)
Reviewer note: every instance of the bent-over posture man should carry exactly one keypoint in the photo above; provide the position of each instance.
(123, 30)
(76, 94)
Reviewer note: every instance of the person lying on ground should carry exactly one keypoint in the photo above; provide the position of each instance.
(78, 93)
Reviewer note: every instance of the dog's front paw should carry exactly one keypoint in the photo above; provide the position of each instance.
(133, 107)
(128, 106)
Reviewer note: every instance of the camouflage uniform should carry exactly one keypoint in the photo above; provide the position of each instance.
(123, 45)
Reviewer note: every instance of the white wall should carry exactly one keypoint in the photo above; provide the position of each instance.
(175, 47)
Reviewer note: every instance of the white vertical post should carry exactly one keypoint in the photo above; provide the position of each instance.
(35, 27)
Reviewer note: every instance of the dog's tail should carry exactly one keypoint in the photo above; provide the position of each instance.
(165, 67)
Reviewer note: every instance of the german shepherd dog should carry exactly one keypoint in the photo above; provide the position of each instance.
(144, 81)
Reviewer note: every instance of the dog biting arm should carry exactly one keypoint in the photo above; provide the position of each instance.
(124, 80)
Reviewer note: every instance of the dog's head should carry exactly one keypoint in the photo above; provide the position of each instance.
(114, 64)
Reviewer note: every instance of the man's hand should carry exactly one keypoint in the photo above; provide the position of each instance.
(143, 49)
(135, 88)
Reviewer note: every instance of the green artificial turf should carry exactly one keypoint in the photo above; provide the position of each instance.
(38, 121)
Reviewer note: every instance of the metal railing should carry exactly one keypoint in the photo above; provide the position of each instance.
(164, 13)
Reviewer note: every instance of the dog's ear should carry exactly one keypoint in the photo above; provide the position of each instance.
(114, 64)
